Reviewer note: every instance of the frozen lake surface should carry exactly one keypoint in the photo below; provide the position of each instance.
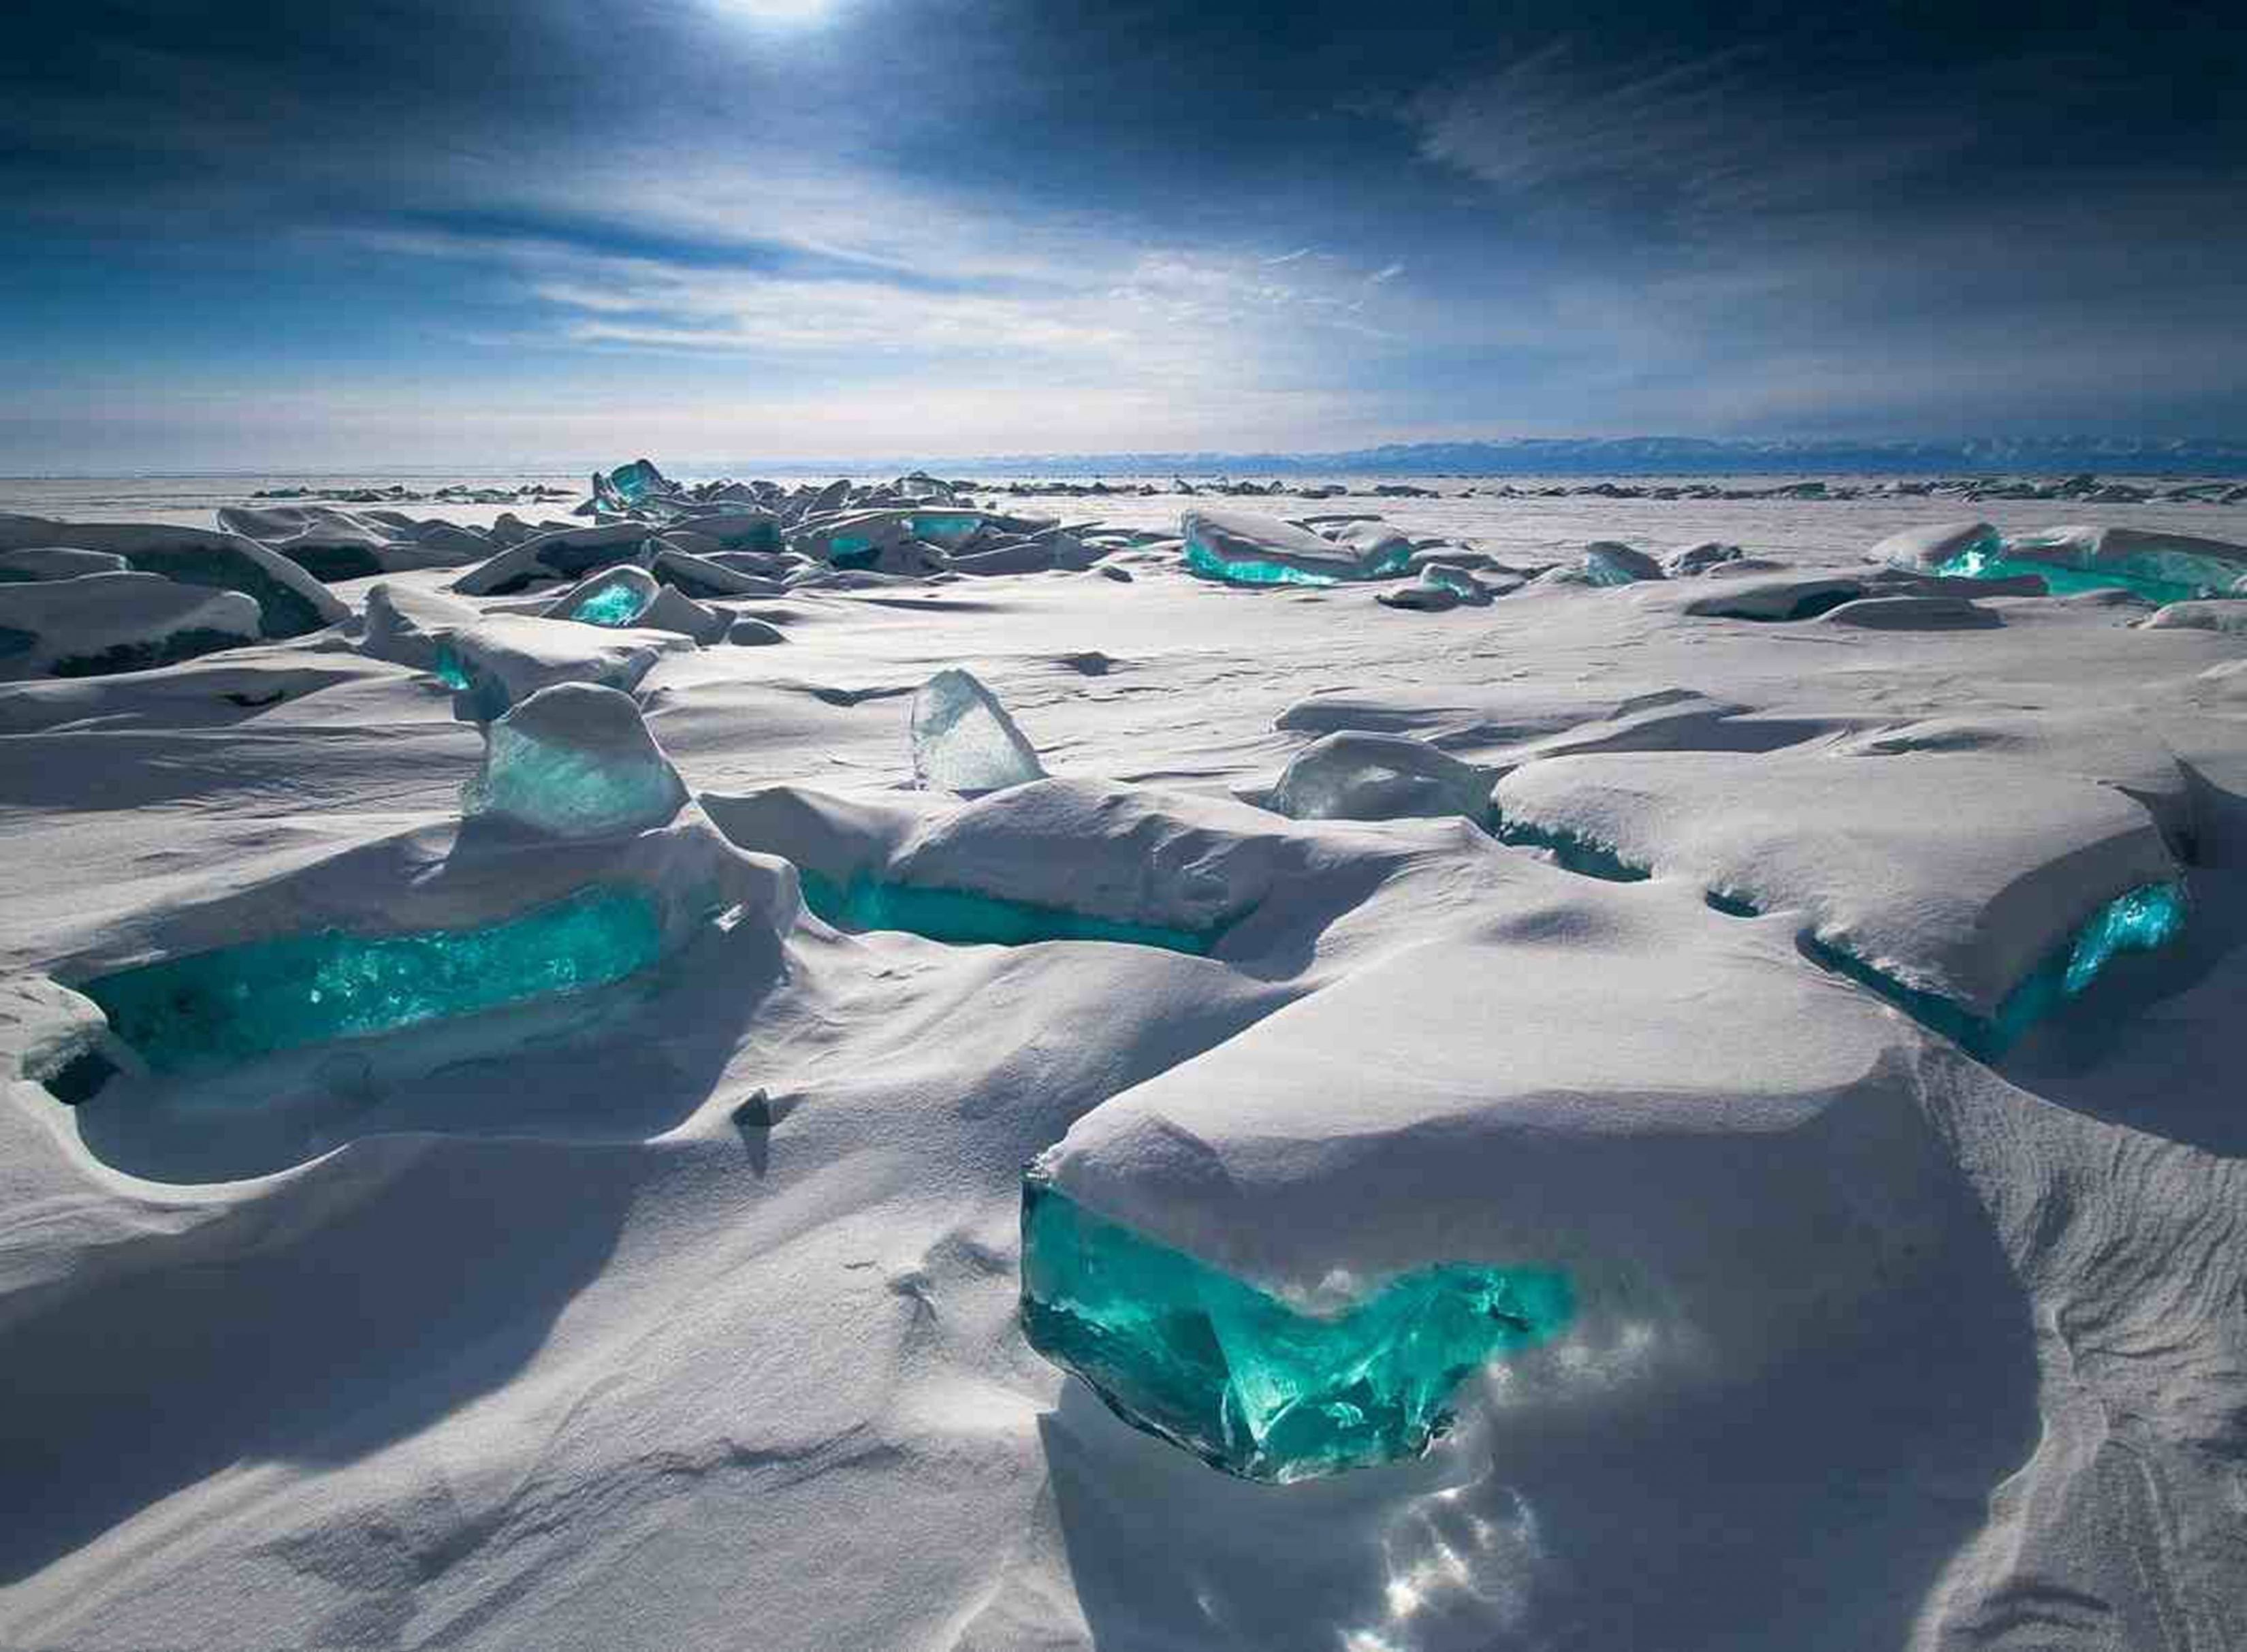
(637, 1259)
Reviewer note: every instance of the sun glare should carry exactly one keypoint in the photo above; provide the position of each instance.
(779, 13)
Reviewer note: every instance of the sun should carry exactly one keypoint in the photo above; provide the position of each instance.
(780, 13)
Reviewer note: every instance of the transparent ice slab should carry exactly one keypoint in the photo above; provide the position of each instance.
(963, 741)
(211, 1009)
(1246, 1382)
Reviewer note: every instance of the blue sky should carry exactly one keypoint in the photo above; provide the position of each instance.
(492, 232)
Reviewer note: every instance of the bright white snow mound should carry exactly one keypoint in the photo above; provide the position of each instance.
(1518, 1090)
(115, 622)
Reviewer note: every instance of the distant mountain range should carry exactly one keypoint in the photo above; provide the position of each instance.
(1671, 455)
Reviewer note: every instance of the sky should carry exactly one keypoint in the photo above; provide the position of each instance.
(485, 233)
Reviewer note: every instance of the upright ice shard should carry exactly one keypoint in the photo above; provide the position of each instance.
(1607, 561)
(616, 597)
(629, 486)
(1243, 1380)
(963, 741)
(575, 760)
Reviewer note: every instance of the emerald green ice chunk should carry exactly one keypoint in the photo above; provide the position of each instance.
(450, 671)
(615, 602)
(210, 1009)
(852, 550)
(960, 917)
(943, 527)
(2160, 581)
(2149, 916)
(2140, 920)
(1209, 565)
(1246, 1383)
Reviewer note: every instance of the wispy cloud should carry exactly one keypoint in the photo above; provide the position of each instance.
(1722, 132)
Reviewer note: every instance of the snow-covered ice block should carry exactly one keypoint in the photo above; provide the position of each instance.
(430, 932)
(853, 539)
(1439, 589)
(1244, 547)
(617, 598)
(2155, 564)
(504, 659)
(1354, 775)
(2153, 558)
(963, 741)
(563, 554)
(102, 623)
(408, 625)
(1924, 549)
(1710, 1211)
(674, 610)
(332, 544)
(755, 530)
(1029, 557)
(1913, 613)
(1607, 561)
(1797, 597)
(702, 577)
(2224, 615)
(1955, 875)
(57, 561)
(575, 760)
(290, 601)
(57, 1038)
(1689, 560)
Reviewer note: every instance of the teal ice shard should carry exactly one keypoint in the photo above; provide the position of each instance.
(1924, 549)
(211, 1009)
(2139, 920)
(1352, 774)
(1253, 1384)
(949, 528)
(963, 741)
(2160, 565)
(575, 760)
(1607, 561)
(630, 486)
(1245, 548)
(2145, 919)
(616, 597)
